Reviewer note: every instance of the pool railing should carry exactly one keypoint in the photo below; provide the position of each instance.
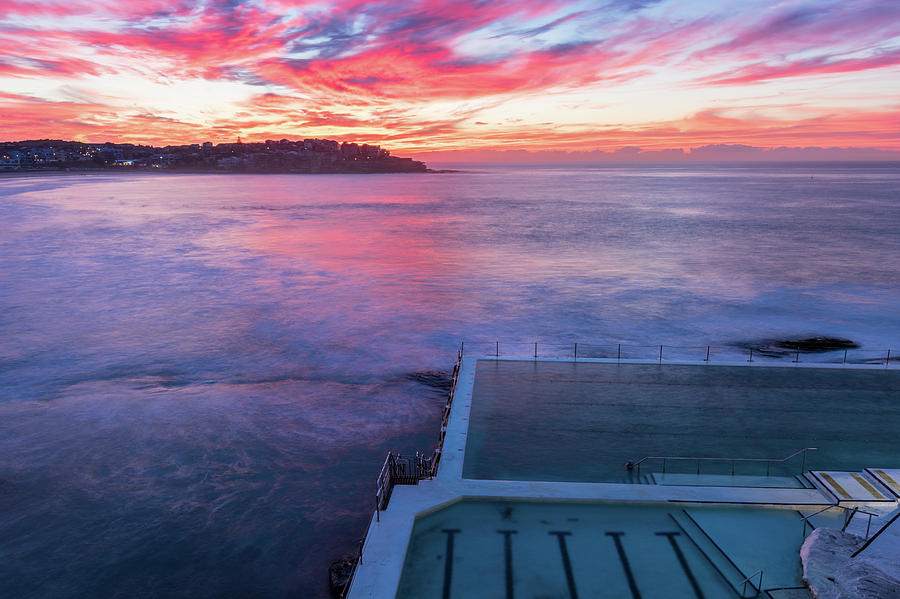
(663, 352)
(631, 465)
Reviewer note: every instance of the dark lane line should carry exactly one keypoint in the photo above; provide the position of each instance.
(507, 558)
(684, 565)
(635, 593)
(448, 564)
(567, 565)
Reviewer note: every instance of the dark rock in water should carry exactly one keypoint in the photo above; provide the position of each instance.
(777, 348)
(340, 573)
(432, 378)
(818, 344)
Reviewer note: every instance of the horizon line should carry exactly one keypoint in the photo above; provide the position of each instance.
(710, 152)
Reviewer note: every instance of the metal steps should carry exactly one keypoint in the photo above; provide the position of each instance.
(643, 479)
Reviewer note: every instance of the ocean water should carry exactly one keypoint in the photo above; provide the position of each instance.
(200, 375)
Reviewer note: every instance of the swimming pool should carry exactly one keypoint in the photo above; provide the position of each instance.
(476, 548)
(581, 421)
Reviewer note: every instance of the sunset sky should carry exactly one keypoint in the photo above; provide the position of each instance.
(421, 76)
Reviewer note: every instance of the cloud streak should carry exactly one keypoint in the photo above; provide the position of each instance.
(443, 75)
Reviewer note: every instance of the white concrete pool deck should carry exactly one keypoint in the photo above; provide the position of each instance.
(379, 572)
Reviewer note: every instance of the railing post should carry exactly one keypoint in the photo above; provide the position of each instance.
(707, 354)
(619, 352)
(888, 360)
(576, 352)
(803, 462)
(768, 466)
(848, 516)
(751, 355)
(732, 467)
(844, 361)
(664, 465)
(797, 359)
(497, 351)
(535, 350)
(660, 354)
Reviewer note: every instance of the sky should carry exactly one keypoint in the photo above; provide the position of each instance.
(437, 77)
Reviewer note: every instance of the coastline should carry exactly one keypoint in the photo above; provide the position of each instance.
(170, 171)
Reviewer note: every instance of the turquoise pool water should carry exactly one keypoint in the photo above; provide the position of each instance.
(581, 421)
(478, 549)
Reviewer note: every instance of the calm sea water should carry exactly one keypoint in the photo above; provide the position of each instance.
(200, 375)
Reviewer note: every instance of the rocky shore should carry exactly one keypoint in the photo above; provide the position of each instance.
(844, 565)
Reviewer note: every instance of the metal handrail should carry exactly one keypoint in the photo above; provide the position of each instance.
(876, 535)
(398, 469)
(704, 353)
(748, 579)
(824, 509)
(445, 414)
(769, 461)
(356, 563)
(853, 511)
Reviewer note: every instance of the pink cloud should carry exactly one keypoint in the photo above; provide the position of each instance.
(814, 66)
(357, 65)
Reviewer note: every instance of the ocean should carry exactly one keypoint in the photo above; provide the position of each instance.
(200, 375)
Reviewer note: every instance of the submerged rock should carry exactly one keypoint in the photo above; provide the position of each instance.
(818, 344)
(340, 573)
(433, 378)
(808, 345)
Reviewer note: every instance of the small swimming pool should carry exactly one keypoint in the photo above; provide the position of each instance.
(509, 549)
(581, 421)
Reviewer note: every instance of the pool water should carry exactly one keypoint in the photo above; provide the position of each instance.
(581, 421)
(477, 549)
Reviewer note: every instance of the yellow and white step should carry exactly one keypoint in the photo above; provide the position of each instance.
(889, 477)
(852, 486)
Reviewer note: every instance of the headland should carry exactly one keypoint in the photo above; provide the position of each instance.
(305, 156)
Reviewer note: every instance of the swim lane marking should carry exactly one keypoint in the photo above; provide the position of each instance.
(567, 565)
(635, 593)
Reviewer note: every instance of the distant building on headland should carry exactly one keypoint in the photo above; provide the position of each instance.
(283, 156)
(11, 161)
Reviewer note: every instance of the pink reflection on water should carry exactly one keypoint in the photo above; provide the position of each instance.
(408, 257)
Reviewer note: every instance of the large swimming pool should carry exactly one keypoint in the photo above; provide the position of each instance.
(581, 421)
(498, 549)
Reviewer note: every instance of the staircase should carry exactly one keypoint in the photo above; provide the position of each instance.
(872, 485)
(888, 477)
(723, 564)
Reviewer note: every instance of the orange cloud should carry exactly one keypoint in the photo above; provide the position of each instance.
(444, 74)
